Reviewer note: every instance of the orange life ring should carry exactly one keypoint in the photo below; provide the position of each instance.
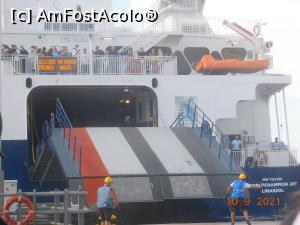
(18, 199)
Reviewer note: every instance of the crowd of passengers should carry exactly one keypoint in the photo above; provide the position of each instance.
(101, 66)
(13, 50)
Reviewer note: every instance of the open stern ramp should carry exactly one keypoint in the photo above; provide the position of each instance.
(148, 164)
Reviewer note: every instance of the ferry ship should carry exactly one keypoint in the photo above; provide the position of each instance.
(160, 122)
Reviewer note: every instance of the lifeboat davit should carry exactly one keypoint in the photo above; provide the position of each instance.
(210, 65)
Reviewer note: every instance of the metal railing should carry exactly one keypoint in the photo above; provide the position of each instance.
(57, 208)
(96, 65)
(69, 133)
(179, 122)
(208, 127)
(74, 144)
(265, 157)
(198, 119)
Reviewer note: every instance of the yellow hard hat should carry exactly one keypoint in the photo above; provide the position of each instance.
(108, 180)
(114, 217)
(242, 176)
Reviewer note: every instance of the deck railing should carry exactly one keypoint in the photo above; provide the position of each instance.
(265, 157)
(84, 65)
(59, 205)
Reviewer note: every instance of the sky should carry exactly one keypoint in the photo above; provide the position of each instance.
(283, 28)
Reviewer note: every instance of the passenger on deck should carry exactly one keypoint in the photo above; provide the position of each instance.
(98, 51)
(55, 52)
(236, 153)
(76, 51)
(12, 50)
(106, 201)
(141, 52)
(65, 52)
(152, 52)
(33, 51)
(44, 51)
(84, 60)
(276, 145)
(160, 52)
(4, 50)
(114, 51)
(124, 51)
(23, 51)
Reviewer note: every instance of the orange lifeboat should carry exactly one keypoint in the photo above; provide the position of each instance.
(210, 65)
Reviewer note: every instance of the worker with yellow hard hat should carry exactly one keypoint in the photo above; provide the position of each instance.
(107, 201)
(237, 198)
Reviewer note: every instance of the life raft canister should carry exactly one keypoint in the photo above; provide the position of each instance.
(19, 199)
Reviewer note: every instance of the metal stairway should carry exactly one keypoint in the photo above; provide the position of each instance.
(207, 131)
(47, 165)
(59, 153)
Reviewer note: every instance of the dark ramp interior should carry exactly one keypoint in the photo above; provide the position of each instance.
(86, 106)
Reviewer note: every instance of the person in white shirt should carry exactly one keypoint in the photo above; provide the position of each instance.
(76, 51)
(84, 61)
(276, 145)
(236, 147)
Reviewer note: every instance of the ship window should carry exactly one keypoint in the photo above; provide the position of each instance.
(195, 54)
(234, 53)
(216, 55)
(195, 28)
(183, 67)
(117, 48)
(165, 50)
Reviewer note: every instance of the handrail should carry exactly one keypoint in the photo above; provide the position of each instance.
(207, 127)
(179, 121)
(85, 65)
(61, 119)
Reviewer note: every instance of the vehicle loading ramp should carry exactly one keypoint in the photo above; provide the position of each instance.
(148, 164)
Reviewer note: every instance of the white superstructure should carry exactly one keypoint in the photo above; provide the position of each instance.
(237, 103)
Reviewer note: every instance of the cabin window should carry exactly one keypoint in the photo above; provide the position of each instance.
(216, 55)
(234, 53)
(195, 54)
(109, 48)
(183, 67)
(166, 51)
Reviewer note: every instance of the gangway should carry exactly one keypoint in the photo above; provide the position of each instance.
(155, 164)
